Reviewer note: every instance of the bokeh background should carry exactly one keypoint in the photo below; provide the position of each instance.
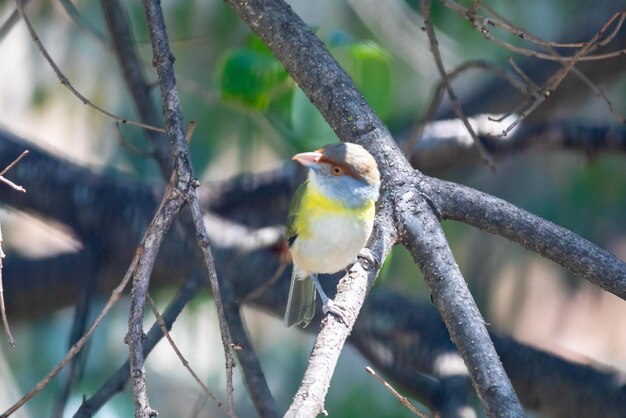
(251, 117)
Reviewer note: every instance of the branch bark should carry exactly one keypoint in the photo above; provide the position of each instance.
(552, 241)
(167, 213)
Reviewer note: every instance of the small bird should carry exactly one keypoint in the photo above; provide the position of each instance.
(330, 219)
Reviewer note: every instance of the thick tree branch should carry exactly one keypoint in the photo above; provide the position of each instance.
(423, 236)
(499, 217)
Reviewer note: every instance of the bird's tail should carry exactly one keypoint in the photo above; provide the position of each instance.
(301, 302)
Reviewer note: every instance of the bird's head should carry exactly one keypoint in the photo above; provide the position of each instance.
(344, 172)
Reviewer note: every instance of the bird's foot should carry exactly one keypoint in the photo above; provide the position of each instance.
(339, 311)
(371, 258)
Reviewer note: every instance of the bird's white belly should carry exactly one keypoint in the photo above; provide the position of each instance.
(334, 243)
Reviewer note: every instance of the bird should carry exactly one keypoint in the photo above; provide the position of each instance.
(330, 219)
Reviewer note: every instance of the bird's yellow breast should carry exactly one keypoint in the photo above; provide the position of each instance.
(315, 205)
(330, 235)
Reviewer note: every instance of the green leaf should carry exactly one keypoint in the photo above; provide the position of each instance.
(252, 77)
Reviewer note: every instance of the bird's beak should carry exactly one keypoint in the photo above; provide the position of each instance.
(308, 159)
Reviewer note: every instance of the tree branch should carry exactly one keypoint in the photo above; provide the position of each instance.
(424, 238)
(499, 217)
(60, 184)
(446, 143)
(133, 74)
(169, 210)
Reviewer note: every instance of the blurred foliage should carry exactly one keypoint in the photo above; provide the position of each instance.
(253, 78)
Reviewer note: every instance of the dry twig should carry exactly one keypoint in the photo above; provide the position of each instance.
(3, 313)
(482, 23)
(5, 321)
(454, 101)
(417, 130)
(207, 393)
(403, 400)
(558, 77)
(163, 64)
(551, 49)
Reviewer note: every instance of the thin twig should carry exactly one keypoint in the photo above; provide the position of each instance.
(183, 360)
(204, 245)
(483, 28)
(17, 160)
(403, 400)
(5, 321)
(583, 77)
(550, 49)
(117, 381)
(534, 88)
(548, 45)
(124, 47)
(415, 134)
(65, 81)
(554, 81)
(3, 313)
(76, 367)
(254, 379)
(190, 129)
(128, 145)
(599, 93)
(12, 185)
(454, 101)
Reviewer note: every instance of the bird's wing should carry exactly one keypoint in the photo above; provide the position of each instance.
(294, 209)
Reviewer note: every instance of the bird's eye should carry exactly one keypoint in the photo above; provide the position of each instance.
(337, 171)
